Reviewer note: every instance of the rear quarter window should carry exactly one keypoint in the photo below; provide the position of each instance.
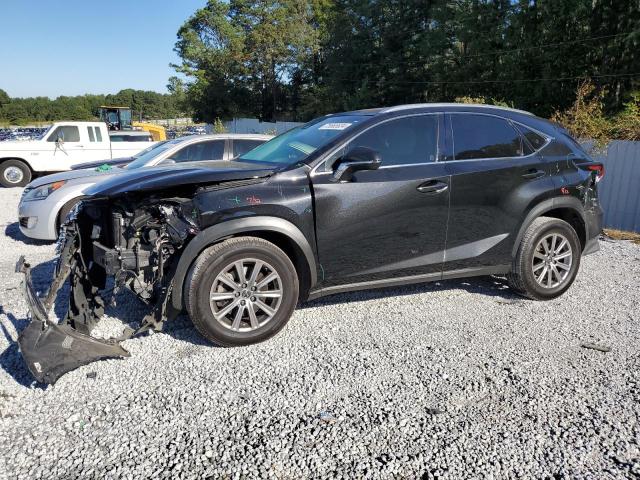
(534, 139)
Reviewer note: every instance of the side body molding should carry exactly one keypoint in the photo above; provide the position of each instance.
(232, 227)
(546, 206)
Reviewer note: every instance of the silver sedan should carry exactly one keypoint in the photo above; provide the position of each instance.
(46, 201)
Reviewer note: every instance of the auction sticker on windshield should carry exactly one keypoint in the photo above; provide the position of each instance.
(335, 126)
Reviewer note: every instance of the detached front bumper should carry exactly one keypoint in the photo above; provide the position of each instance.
(50, 350)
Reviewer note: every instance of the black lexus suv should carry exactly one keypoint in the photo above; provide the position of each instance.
(357, 200)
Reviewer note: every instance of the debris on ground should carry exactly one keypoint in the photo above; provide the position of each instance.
(593, 346)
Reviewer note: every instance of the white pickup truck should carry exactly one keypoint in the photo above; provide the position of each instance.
(62, 146)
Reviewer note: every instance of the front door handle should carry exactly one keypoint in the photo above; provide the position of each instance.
(433, 186)
(533, 173)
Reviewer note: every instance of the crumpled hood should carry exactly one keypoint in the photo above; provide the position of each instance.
(188, 173)
(72, 175)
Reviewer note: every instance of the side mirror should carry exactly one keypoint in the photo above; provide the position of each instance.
(356, 158)
(167, 161)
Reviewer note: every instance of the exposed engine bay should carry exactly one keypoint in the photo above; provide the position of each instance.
(136, 243)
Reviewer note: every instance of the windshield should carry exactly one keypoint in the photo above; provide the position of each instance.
(148, 154)
(295, 145)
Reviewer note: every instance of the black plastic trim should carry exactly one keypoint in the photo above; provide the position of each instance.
(592, 246)
(400, 281)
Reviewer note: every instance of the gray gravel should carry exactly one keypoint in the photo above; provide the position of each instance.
(456, 379)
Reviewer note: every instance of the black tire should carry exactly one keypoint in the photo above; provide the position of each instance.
(211, 263)
(10, 177)
(522, 279)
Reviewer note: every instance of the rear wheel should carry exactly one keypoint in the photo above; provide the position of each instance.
(241, 291)
(547, 261)
(14, 173)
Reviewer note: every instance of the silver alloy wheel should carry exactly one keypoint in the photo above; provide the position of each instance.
(13, 174)
(245, 295)
(552, 260)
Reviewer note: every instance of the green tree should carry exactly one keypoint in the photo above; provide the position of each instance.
(149, 105)
(4, 97)
(531, 53)
(240, 56)
(178, 91)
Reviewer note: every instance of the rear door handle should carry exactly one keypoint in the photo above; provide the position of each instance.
(533, 173)
(433, 186)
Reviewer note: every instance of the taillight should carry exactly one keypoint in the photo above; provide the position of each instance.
(598, 168)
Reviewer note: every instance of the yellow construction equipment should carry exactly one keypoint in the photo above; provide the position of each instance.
(157, 131)
(119, 118)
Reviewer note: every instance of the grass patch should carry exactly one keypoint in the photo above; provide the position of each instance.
(622, 235)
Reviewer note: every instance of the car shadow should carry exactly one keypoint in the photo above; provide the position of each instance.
(10, 359)
(12, 230)
(126, 311)
(130, 311)
(492, 286)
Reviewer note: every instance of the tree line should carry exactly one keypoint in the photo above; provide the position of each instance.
(145, 104)
(296, 59)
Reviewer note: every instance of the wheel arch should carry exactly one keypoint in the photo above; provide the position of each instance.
(67, 203)
(279, 231)
(26, 162)
(568, 209)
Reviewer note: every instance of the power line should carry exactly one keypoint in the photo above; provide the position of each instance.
(515, 80)
(459, 14)
(548, 45)
(495, 52)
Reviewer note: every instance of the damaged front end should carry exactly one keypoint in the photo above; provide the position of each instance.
(133, 242)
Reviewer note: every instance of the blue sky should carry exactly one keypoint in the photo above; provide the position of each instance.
(72, 47)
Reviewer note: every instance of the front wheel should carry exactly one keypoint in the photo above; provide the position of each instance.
(241, 291)
(14, 173)
(547, 261)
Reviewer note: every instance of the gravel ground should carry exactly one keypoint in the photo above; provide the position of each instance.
(455, 379)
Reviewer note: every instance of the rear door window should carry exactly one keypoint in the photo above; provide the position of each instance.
(211, 150)
(483, 136)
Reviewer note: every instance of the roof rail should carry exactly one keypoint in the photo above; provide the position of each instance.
(473, 105)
